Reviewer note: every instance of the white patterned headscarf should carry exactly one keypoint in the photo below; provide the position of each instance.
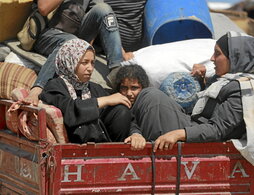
(67, 60)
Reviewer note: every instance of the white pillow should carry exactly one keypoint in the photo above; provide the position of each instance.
(161, 60)
(17, 59)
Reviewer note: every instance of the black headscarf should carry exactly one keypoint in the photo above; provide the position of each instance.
(241, 52)
(223, 44)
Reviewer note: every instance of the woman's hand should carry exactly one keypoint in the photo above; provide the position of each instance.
(168, 140)
(33, 97)
(113, 100)
(198, 70)
(137, 141)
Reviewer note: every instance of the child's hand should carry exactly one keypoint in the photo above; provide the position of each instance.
(137, 141)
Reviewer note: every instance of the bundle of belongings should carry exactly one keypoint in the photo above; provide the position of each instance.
(169, 65)
(15, 82)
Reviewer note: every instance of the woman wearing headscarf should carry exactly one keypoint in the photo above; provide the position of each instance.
(219, 114)
(90, 113)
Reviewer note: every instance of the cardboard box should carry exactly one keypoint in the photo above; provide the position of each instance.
(13, 14)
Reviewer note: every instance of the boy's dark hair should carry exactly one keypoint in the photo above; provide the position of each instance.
(131, 72)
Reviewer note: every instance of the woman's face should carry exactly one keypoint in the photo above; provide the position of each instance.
(85, 66)
(221, 62)
(130, 88)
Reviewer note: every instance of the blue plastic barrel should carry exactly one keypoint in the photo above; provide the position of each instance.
(174, 20)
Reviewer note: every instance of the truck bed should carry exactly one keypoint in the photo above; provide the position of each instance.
(28, 167)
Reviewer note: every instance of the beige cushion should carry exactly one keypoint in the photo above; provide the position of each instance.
(14, 76)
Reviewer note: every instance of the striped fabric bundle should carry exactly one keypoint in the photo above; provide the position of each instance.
(13, 76)
(26, 123)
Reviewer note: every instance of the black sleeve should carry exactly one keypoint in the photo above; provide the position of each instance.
(134, 126)
(75, 112)
(226, 117)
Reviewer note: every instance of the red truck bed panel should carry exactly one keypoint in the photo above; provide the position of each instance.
(28, 167)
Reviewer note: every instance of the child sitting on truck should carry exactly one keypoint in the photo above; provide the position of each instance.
(150, 106)
(90, 113)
